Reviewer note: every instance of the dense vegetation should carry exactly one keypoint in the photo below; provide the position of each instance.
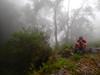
(29, 53)
(48, 49)
(25, 51)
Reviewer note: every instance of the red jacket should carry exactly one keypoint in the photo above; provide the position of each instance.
(81, 43)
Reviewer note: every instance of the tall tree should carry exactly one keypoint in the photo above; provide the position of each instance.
(55, 23)
(77, 19)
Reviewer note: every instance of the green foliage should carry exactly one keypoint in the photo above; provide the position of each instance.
(73, 65)
(76, 57)
(65, 53)
(65, 50)
(66, 46)
(57, 65)
(25, 51)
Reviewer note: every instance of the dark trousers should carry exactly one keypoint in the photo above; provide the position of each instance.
(79, 50)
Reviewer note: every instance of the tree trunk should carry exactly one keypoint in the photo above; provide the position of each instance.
(68, 23)
(56, 29)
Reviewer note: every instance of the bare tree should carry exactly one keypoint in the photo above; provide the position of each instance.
(71, 20)
(56, 4)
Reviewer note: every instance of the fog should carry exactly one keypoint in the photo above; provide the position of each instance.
(60, 19)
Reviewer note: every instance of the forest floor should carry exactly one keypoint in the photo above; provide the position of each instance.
(74, 64)
(87, 64)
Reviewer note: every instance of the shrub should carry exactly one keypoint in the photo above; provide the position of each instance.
(66, 53)
(66, 46)
(25, 51)
(76, 57)
(57, 65)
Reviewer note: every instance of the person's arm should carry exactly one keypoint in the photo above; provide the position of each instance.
(85, 43)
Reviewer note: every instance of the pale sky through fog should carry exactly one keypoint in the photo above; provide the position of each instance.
(74, 4)
(18, 10)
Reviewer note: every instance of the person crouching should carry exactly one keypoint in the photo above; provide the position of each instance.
(80, 45)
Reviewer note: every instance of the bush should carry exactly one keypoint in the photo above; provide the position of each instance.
(25, 51)
(66, 50)
(66, 46)
(65, 53)
(76, 57)
(60, 63)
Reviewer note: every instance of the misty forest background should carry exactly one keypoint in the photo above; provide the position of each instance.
(36, 37)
